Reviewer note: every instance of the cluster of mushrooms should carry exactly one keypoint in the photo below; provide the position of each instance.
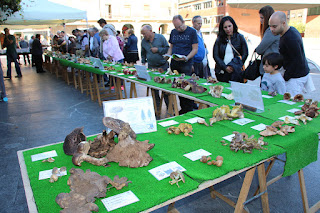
(188, 84)
(218, 162)
(310, 109)
(277, 129)
(241, 141)
(225, 113)
(182, 128)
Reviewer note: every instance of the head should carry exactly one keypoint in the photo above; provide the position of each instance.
(102, 22)
(91, 32)
(272, 62)
(278, 23)
(179, 23)
(118, 32)
(38, 36)
(104, 35)
(59, 33)
(72, 39)
(227, 27)
(265, 14)
(75, 32)
(130, 32)
(32, 37)
(6, 31)
(21, 39)
(55, 38)
(197, 22)
(147, 33)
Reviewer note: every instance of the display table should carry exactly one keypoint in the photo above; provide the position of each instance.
(152, 193)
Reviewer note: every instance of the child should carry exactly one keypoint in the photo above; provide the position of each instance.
(272, 80)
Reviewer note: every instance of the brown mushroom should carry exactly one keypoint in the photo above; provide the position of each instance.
(82, 155)
(298, 98)
(286, 96)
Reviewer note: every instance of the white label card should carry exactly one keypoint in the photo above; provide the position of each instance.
(113, 72)
(120, 200)
(132, 77)
(229, 137)
(193, 120)
(259, 127)
(196, 155)
(47, 174)
(44, 155)
(287, 102)
(284, 117)
(164, 171)
(168, 123)
(267, 96)
(229, 88)
(207, 84)
(157, 73)
(120, 74)
(243, 121)
(164, 75)
(300, 105)
(293, 110)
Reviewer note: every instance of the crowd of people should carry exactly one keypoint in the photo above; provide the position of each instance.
(281, 48)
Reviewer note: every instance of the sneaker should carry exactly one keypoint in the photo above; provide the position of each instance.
(5, 99)
(9, 77)
(18, 76)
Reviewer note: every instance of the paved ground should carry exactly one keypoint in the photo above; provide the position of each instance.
(43, 109)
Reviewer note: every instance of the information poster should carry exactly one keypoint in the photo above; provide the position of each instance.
(247, 94)
(138, 112)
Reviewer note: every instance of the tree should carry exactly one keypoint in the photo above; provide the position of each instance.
(7, 8)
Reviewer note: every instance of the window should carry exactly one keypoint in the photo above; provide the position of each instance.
(314, 11)
(219, 3)
(197, 7)
(127, 10)
(206, 20)
(218, 19)
(207, 4)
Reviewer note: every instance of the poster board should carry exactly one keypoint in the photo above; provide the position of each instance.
(138, 112)
(249, 95)
(142, 72)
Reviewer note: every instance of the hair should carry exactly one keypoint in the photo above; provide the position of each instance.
(103, 32)
(178, 17)
(273, 59)
(62, 31)
(38, 36)
(118, 32)
(5, 29)
(147, 27)
(130, 31)
(54, 37)
(266, 12)
(195, 17)
(102, 21)
(222, 34)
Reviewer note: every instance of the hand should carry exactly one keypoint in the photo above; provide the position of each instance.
(185, 59)
(229, 69)
(154, 49)
(166, 57)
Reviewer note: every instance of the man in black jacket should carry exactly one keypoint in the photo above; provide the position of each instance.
(291, 48)
(37, 53)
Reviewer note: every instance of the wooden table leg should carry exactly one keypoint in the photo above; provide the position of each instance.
(267, 173)
(170, 107)
(175, 105)
(89, 85)
(244, 190)
(263, 187)
(303, 191)
(74, 78)
(172, 209)
(118, 88)
(154, 102)
(96, 85)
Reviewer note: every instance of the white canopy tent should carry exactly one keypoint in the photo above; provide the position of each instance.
(44, 12)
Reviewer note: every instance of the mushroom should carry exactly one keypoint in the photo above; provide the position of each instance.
(50, 160)
(54, 176)
(204, 159)
(82, 155)
(298, 98)
(219, 163)
(277, 124)
(202, 121)
(286, 96)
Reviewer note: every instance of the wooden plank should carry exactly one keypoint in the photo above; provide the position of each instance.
(96, 85)
(303, 191)
(263, 187)
(215, 194)
(175, 105)
(315, 207)
(244, 190)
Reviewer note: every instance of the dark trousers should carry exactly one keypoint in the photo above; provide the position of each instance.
(38, 62)
(26, 58)
(186, 68)
(10, 59)
(200, 70)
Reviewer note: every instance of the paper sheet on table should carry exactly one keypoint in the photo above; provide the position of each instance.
(165, 170)
(287, 102)
(267, 96)
(196, 155)
(119, 200)
(138, 112)
(168, 123)
(229, 137)
(284, 117)
(243, 121)
(246, 94)
(47, 174)
(207, 84)
(193, 120)
(44, 155)
(293, 110)
(259, 127)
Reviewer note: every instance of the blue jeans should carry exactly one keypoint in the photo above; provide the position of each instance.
(13, 58)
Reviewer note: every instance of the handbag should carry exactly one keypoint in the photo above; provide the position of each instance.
(252, 71)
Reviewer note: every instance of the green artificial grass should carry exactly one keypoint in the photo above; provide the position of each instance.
(148, 189)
